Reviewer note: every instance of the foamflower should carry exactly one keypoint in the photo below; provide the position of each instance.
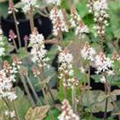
(67, 112)
(28, 4)
(55, 2)
(38, 51)
(102, 63)
(58, 20)
(88, 53)
(65, 60)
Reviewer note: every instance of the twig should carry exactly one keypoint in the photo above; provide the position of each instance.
(52, 41)
(73, 98)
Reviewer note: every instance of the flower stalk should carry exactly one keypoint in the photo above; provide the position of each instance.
(33, 90)
(32, 26)
(17, 29)
(26, 89)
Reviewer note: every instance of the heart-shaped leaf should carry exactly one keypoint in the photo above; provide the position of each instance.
(38, 113)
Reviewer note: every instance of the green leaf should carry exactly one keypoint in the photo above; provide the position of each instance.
(96, 78)
(19, 5)
(55, 113)
(22, 103)
(62, 91)
(114, 17)
(82, 8)
(95, 101)
(22, 53)
(51, 54)
(4, 9)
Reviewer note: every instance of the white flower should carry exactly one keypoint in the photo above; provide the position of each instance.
(58, 20)
(90, 5)
(38, 51)
(2, 51)
(12, 114)
(81, 29)
(82, 70)
(11, 96)
(102, 63)
(110, 72)
(65, 60)
(103, 79)
(65, 57)
(100, 5)
(59, 48)
(56, 2)
(11, 7)
(6, 113)
(116, 56)
(67, 112)
(88, 52)
(6, 82)
(1, 32)
(28, 4)
(100, 8)
(74, 17)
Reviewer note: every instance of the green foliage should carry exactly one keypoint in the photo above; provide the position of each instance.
(63, 91)
(22, 53)
(95, 100)
(115, 17)
(22, 103)
(55, 113)
(4, 9)
(82, 9)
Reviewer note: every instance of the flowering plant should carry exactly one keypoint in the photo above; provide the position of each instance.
(77, 78)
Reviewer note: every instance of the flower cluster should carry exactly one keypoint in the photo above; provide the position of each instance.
(116, 56)
(103, 79)
(74, 17)
(58, 20)
(88, 53)
(7, 77)
(101, 16)
(28, 4)
(35, 71)
(12, 35)
(67, 112)
(102, 63)
(56, 2)
(81, 29)
(11, 114)
(11, 8)
(38, 51)
(108, 73)
(2, 49)
(90, 5)
(16, 63)
(77, 23)
(65, 60)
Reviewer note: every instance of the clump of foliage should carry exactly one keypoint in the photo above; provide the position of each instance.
(85, 37)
